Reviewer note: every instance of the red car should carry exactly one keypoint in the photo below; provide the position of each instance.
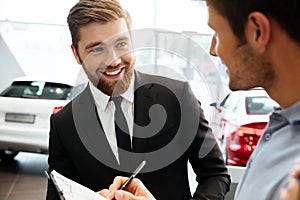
(241, 119)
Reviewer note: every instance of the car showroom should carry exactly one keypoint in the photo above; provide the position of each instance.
(40, 76)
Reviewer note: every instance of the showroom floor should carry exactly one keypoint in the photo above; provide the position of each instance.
(24, 178)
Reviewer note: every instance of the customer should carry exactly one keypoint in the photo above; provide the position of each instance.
(85, 143)
(259, 42)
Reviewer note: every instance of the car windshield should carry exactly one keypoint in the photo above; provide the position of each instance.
(38, 90)
(260, 105)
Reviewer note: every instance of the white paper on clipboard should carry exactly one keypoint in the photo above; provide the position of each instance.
(72, 190)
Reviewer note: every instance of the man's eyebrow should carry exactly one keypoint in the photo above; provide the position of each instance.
(122, 38)
(93, 44)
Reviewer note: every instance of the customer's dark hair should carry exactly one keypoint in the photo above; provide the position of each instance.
(87, 11)
(285, 12)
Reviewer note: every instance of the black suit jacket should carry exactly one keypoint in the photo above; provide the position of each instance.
(170, 130)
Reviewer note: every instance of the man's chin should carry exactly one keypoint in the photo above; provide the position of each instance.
(113, 88)
(236, 87)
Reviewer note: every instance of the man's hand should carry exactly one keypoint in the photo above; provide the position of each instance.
(135, 190)
(104, 192)
(293, 191)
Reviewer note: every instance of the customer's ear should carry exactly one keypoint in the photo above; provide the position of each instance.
(258, 31)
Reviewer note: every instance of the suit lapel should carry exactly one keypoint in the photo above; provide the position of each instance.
(89, 126)
(90, 130)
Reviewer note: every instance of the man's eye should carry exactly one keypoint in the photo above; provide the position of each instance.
(97, 50)
(122, 45)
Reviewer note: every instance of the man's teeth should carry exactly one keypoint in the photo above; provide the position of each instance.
(112, 73)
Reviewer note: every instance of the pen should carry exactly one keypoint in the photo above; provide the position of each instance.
(138, 169)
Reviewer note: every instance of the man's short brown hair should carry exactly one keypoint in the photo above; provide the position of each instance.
(87, 11)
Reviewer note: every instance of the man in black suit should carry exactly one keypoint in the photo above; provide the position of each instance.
(164, 124)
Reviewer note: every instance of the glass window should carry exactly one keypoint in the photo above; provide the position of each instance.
(260, 105)
(38, 90)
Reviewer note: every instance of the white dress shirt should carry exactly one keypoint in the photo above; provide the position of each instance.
(106, 110)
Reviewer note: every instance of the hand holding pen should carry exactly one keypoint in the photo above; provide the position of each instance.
(292, 192)
(135, 189)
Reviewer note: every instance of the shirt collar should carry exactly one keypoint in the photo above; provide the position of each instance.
(102, 99)
(129, 94)
(292, 113)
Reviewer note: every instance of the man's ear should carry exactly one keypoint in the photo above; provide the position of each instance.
(258, 31)
(76, 54)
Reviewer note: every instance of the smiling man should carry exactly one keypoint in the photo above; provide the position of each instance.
(124, 117)
(108, 62)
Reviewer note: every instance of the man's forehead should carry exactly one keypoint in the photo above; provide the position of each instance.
(117, 37)
(104, 32)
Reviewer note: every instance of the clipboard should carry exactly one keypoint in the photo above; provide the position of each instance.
(68, 189)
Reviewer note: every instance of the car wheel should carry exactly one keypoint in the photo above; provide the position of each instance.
(7, 155)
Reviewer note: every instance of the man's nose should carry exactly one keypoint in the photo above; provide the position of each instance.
(113, 59)
(212, 50)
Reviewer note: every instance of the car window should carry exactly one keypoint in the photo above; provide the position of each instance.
(38, 90)
(260, 105)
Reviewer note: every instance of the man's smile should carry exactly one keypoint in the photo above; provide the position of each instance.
(113, 73)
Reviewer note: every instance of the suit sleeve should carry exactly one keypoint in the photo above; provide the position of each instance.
(205, 156)
(58, 160)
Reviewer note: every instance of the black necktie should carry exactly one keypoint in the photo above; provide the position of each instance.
(122, 131)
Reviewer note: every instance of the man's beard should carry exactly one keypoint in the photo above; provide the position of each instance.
(116, 88)
(250, 70)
